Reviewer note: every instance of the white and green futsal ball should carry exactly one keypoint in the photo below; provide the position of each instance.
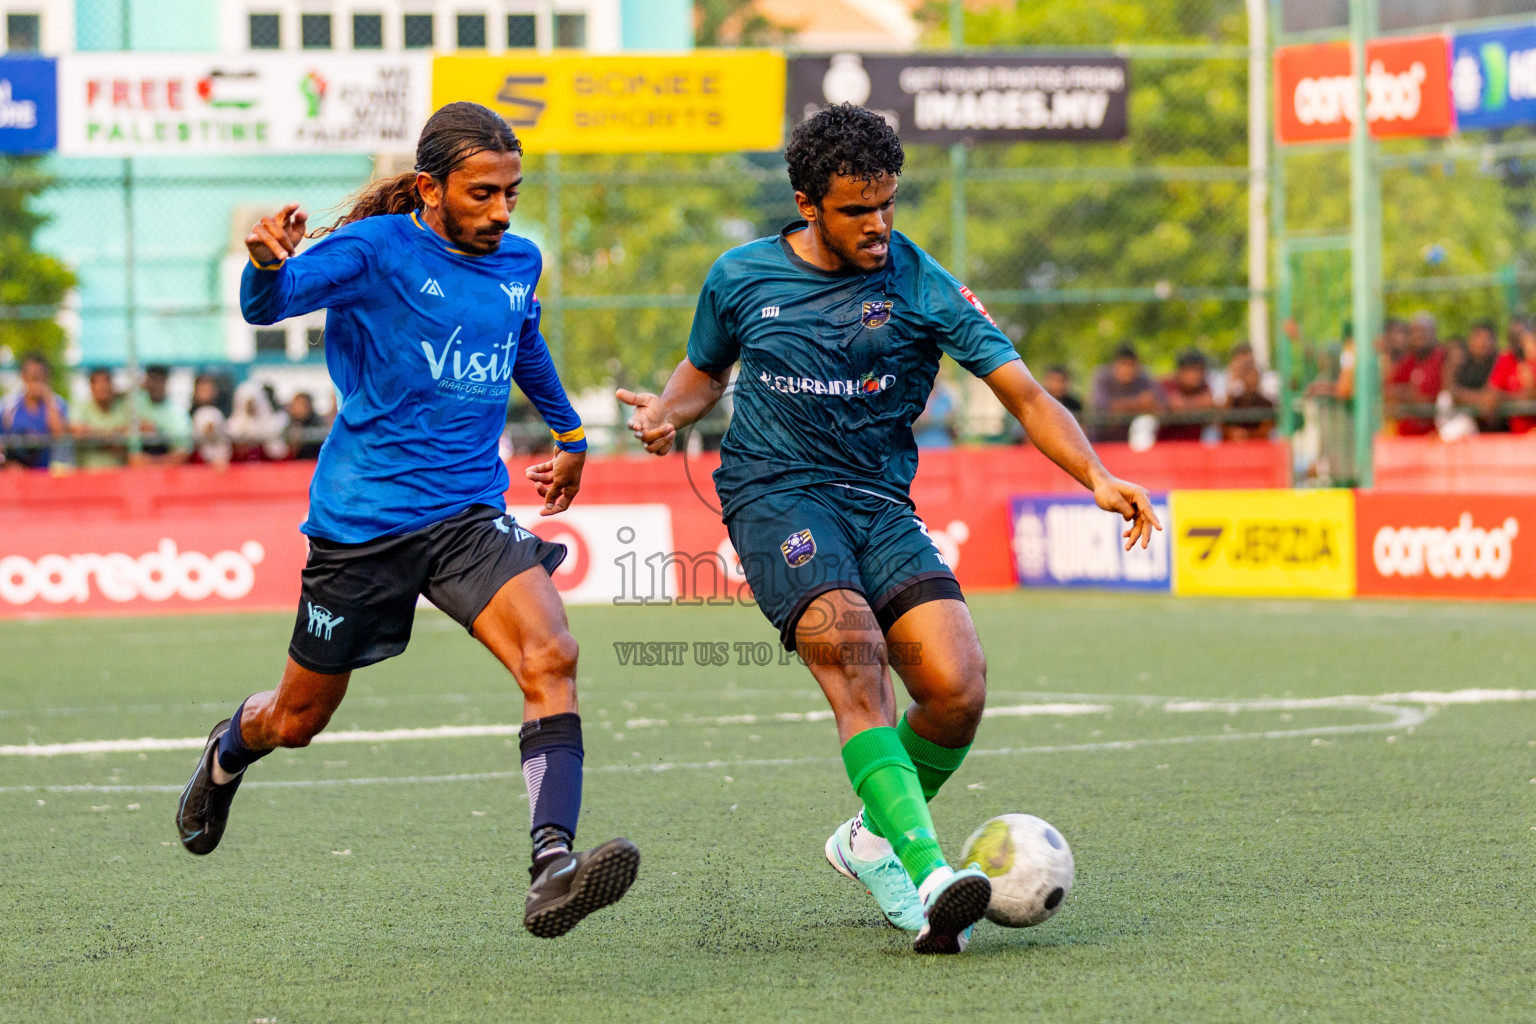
(1030, 865)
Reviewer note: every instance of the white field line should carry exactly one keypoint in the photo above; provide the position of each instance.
(825, 715)
(1400, 707)
(1402, 717)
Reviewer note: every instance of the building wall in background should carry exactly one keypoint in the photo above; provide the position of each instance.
(657, 24)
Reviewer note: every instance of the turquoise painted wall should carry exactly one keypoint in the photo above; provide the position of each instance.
(657, 24)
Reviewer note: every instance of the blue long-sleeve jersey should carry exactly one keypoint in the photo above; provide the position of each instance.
(422, 341)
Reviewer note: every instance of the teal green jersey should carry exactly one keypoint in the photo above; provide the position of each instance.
(835, 367)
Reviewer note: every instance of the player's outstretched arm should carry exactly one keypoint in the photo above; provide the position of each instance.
(688, 397)
(1056, 433)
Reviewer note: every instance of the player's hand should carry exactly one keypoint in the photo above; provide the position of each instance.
(1134, 504)
(277, 237)
(557, 480)
(651, 423)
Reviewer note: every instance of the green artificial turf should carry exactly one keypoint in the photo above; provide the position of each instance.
(1380, 871)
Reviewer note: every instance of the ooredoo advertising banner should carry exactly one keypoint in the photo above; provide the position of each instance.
(1446, 545)
(1066, 540)
(949, 97)
(126, 104)
(1264, 543)
(1407, 86)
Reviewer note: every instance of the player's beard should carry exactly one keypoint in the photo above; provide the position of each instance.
(474, 241)
(849, 256)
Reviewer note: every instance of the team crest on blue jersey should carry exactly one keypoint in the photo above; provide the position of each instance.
(876, 313)
(799, 548)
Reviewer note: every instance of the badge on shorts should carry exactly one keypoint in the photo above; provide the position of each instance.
(876, 313)
(799, 548)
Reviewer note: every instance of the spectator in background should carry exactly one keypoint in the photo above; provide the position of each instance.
(166, 424)
(1514, 378)
(304, 425)
(209, 437)
(1336, 380)
(255, 428)
(1415, 378)
(1186, 391)
(35, 418)
(1470, 369)
(1246, 392)
(935, 426)
(1058, 384)
(1123, 389)
(101, 424)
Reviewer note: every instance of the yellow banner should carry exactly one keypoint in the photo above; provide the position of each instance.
(1264, 543)
(699, 102)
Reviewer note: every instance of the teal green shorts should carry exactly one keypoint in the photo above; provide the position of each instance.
(798, 544)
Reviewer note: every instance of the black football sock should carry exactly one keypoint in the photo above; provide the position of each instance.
(552, 760)
(234, 756)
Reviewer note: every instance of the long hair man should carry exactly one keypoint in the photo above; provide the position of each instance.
(431, 316)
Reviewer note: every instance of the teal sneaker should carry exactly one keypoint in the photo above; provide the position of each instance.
(952, 906)
(884, 879)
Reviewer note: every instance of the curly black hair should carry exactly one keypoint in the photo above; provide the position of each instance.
(842, 139)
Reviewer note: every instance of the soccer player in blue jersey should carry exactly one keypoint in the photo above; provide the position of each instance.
(838, 324)
(430, 317)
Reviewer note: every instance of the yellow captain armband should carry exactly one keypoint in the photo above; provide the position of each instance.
(577, 439)
(265, 266)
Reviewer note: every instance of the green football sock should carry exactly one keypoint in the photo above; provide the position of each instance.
(884, 778)
(934, 764)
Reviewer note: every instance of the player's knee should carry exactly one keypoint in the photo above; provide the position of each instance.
(550, 663)
(959, 691)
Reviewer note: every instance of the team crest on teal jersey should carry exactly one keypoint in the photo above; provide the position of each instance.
(799, 548)
(876, 313)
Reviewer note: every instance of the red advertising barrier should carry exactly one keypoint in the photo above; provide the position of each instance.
(192, 539)
(1485, 464)
(1445, 545)
(1407, 90)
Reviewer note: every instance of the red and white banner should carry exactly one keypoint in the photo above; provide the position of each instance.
(1407, 85)
(1445, 545)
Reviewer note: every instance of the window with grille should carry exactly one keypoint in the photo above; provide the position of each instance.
(418, 31)
(271, 340)
(522, 31)
(471, 31)
(571, 30)
(266, 32)
(315, 31)
(24, 32)
(367, 31)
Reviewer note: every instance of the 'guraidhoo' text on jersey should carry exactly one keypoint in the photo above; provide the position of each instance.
(423, 342)
(834, 367)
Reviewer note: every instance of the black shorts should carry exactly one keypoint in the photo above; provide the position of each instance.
(359, 600)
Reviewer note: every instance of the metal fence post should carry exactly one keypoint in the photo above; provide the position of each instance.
(554, 309)
(130, 311)
(1365, 245)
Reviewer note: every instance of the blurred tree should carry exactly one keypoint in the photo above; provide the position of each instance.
(735, 23)
(32, 285)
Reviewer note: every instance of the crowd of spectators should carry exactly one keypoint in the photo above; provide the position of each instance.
(225, 423)
(1197, 402)
(1449, 388)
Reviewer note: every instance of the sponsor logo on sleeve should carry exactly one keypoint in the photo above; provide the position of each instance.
(970, 297)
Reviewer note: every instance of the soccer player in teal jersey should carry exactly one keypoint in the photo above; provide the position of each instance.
(838, 324)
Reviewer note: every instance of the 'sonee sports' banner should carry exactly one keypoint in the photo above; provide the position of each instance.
(1493, 78)
(1066, 540)
(127, 104)
(1407, 85)
(28, 104)
(698, 102)
(948, 97)
(1446, 545)
(1264, 543)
